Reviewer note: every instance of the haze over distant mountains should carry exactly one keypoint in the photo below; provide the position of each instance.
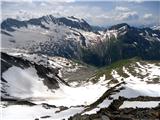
(103, 13)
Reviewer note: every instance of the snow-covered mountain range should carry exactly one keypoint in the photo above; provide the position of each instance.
(71, 37)
(50, 70)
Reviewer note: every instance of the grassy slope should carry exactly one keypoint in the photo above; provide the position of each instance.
(127, 63)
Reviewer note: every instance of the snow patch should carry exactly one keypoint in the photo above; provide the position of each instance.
(139, 104)
(73, 96)
(24, 83)
(24, 112)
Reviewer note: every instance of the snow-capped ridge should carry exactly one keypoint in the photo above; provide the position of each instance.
(73, 22)
(119, 26)
(156, 27)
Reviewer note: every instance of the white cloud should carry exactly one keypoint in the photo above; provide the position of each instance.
(94, 14)
(37, 0)
(148, 16)
(16, 1)
(137, 1)
(120, 8)
(43, 4)
(128, 16)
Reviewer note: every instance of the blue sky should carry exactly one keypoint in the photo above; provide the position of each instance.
(103, 13)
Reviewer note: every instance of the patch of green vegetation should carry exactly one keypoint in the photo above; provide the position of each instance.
(80, 62)
(122, 73)
(115, 66)
(130, 64)
(113, 81)
(132, 70)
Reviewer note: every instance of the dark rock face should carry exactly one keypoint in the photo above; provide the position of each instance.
(80, 25)
(130, 42)
(9, 23)
(134, 44)
(45, 116)
(115, 27)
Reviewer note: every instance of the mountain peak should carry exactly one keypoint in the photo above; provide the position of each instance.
(72, 21)
(10, 22)
(118, 26)
(73, 18)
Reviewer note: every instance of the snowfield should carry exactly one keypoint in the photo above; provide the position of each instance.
(134, 87)
(73, 96)
(25, 84)
(24, 112)
(140, 104)
(138, 86)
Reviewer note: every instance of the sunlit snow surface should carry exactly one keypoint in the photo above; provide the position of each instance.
(26, 84)
(24, 112)
(69, 96)
(139, 104)
(134, 86)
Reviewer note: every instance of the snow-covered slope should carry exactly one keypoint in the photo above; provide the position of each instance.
(45, 22)
(22, 81)
(136, 78)
(71, 37)
(49, 35)
(26, 79)
(39, 66)
(156, 27)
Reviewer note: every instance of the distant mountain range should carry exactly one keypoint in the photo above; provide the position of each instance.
(49, 19)
(71, 37)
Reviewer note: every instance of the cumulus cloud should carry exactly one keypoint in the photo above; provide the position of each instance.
(128, 16)
(148, 16)
(120, 8)
(43, 4)
(94, 14)
(137, 1)
(125, 14)
(16, 0)
(37, 0)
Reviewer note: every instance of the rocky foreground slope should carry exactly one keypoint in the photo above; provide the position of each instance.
(122, 114)
(124, 90)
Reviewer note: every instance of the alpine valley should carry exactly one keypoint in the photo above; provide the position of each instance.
(60, 68)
